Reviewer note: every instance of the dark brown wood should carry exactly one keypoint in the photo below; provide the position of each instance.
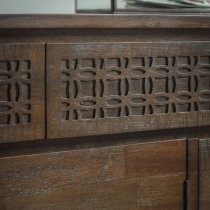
(151, 20)
(111, 88)
(142, 176)
(204, 174)
(103, 35)
(22, 92)
(55, 145)
(159, 175)
(116, 168)
(192, 174)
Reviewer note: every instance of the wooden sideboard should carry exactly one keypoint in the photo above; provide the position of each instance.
(105, 112)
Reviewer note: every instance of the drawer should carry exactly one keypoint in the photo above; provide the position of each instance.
(22, 92)
(105, 88)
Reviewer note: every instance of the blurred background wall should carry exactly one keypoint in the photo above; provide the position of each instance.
(49, 6)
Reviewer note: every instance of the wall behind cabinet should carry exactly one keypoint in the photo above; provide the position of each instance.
(50, 6)
(36, 6)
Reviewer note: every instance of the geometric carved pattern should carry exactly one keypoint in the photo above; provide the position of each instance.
(22, 92)
(94, 88)
(106, 88)
(16, 91)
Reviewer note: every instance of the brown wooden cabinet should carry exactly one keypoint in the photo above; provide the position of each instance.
(104, 112)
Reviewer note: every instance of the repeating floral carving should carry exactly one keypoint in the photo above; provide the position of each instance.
(15, 92)
(94, 88)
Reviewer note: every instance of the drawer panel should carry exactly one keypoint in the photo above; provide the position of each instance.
(22, 92)
(145, 176)
(105, 88)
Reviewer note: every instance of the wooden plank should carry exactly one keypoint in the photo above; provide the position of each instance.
(161, 158)
(160, 170)
(63, 180)
(112, 195)
(151, 20)
(22, 92)
(162, 192)
(204, 174)
(106, 88)
(97, 178)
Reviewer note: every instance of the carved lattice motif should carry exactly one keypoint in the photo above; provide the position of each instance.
(15, 92)
(94, 88)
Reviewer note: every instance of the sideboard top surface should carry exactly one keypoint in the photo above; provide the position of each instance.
(153, 20)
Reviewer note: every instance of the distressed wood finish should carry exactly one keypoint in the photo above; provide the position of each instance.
(141, 176)
(204, 174)
(192, 173)
(22, 92)
(128, 97)
(159, 175)
(111, 88)
(150, 20)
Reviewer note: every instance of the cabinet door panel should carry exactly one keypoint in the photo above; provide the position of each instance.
(131, 177)
(159, 170)
(204, 174)
(21, 92)
(104, 88)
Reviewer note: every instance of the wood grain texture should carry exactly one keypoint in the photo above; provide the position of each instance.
(192, 173)
(156, 154)
(124, 87)
(64, 144)
(96, 178)
(171, 59)
(102, 35)
(204, 174)
(152, 20)
(158, 174)
(22, 92)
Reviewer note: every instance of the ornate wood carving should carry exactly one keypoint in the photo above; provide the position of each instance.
(109, 88)
(21, 92)
(15, 103)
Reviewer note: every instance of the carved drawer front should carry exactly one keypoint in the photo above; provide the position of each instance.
(21, 92)
(104, 88)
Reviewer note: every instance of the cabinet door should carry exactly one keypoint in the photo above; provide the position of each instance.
(204, 174)
(148, 176)
(21, 92)
(104, 88)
